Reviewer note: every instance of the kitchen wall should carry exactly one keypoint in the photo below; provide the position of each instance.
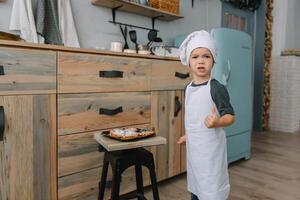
(292, 39)
(95, 32)
(286, 25)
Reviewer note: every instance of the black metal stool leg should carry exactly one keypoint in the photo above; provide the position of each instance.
(116, 179)
(139, 181)
(153, 182)
(102, 182)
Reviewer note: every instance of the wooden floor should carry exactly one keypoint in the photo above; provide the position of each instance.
(272, 173)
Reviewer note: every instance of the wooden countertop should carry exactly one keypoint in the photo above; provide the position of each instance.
(8, 43)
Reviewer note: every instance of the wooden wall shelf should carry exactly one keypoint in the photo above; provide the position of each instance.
(137, 9)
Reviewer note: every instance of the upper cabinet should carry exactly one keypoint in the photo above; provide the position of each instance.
(137, 9)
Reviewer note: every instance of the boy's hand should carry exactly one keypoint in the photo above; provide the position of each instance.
(211, 120)
(181, 140)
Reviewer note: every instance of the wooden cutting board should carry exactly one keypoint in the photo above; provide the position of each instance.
(115, 145)
(9, 36)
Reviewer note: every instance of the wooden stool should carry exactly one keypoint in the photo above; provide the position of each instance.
(120, 161)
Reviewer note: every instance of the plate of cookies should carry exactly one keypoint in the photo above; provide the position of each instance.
(127, 134)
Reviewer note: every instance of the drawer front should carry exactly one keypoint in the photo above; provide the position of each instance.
(169, 75)
(79, 152)
(24, 71)
(88, 112)
(82, 73)
(84, 185)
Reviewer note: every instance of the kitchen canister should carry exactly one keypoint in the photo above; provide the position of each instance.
(116, 46)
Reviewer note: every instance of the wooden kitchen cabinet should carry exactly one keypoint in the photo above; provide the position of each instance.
(28, 150)
(167, 120)
(28, 161)
(52, 96)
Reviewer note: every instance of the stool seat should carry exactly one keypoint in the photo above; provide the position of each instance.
(120, 161)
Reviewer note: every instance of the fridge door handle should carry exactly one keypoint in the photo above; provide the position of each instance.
(229, 71)
(226, 76)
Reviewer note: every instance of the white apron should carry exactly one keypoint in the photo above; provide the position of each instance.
(207, 174)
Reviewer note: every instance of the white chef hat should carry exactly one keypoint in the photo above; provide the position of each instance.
(195, 40)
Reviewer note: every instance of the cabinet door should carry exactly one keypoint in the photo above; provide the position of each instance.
(167, 121)
(28, 148)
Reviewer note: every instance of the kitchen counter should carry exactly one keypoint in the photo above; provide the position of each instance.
(55, 94)
(79, 50)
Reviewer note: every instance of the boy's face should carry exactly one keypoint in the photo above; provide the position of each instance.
(201, 62)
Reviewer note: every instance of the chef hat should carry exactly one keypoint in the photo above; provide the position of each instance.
(195, 40)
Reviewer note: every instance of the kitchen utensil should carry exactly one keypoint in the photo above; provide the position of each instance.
(152, 34)
(158, 39)
(133, 38)
(124, 33)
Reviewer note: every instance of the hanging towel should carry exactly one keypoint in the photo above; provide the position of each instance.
(46, 19)
(66, 24)
(22, 20)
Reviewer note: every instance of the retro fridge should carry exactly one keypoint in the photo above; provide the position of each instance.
(234, 69)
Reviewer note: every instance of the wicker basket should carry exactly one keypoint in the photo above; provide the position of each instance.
(171, 6)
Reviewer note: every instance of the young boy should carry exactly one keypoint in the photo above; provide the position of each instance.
(207, 110)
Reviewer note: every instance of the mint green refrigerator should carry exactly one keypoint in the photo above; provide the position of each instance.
(234, 69)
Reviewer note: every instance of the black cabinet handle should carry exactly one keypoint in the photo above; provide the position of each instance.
(2, 122)
(111, 74)
(105, 111)
(181, 75)
(1, 70)
(177, 106)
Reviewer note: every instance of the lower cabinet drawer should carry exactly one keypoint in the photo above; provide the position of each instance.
(169, 75)
(78, 73)
(79, 152)
(27, 71)
(84, 185)
(89, 112)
